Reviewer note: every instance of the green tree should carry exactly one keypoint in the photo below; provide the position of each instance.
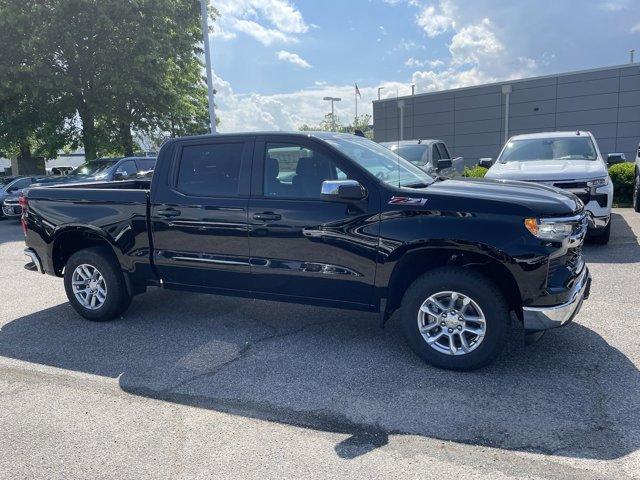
(34, 114)
(128, 65)
(362, 123)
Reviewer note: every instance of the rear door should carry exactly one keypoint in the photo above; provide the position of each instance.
(301, 245)
(199, 218)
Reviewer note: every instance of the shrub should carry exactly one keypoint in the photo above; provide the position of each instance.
(475, 172)
(622, 175)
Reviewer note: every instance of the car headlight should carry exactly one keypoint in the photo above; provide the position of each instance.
(548, 229)
(598, 182)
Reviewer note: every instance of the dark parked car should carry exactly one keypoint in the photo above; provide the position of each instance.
(13, 189)
(325, 219)
(104, 170)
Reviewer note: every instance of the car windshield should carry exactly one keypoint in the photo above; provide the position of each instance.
(559, 148)
(380, 161)
(413, 153)
(6, 181)
(95, 168)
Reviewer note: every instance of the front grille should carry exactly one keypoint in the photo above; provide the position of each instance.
(565, 185)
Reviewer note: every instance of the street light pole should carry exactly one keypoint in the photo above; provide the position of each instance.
(333, 117)
(379, 88)
(207, 60)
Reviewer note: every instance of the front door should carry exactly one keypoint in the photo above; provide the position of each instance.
(301, 245)
(199, 220)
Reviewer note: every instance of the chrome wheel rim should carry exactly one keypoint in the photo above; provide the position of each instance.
(89, 286)
(452, 323)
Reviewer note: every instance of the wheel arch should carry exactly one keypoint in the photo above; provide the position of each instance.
(418, 261)
(72, 239)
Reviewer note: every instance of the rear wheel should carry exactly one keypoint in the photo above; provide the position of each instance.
(455, 319)
(95, 285)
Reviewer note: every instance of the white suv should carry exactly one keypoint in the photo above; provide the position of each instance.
(568, 160)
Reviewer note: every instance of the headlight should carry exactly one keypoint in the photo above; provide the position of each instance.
(598, 182)
(548, 229)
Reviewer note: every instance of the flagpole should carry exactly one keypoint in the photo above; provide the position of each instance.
(356, 96)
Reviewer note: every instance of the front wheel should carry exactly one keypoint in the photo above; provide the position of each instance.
(455, 318)
(95, 285)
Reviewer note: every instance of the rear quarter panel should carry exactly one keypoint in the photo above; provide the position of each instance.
(117, 215)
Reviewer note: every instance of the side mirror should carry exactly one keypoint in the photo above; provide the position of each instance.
(614, 158)
(120, 176)
(444, 163)
(342, 190)
(486, 162)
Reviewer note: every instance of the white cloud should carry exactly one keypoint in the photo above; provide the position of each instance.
(287, 111)
(267, 21)
(475, 43)
(264, 35)
(414, 62)
(293, 58)
(635, 28)
(433, 22)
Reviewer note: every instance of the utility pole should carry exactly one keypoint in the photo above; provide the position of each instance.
(207, 60)
(413, 89)
(333, 117)
(632, 52)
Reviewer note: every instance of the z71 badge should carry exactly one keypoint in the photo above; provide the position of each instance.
(407, 201)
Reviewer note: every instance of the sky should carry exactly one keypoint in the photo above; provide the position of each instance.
(274, 60)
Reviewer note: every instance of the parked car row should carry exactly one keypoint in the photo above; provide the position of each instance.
(327, 219)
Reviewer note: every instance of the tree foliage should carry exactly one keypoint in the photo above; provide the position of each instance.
(115, 69)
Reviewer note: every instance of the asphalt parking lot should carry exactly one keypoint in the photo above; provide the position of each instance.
(196, 386)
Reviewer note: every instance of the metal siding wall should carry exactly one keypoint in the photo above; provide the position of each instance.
(471, 121)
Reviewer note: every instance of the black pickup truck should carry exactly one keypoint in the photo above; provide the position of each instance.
(325, 219)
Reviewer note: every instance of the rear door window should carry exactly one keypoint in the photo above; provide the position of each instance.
(210, 170)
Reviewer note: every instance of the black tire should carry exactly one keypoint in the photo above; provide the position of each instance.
(602, 237)
(636, 193)
(117, 299)
(473, 285)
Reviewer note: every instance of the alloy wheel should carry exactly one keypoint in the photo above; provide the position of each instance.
(451, 323)
(89, 286)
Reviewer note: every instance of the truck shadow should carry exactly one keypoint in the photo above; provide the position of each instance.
(572, 394)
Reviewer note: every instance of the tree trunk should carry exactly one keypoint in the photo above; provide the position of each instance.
(25, 150)
(89, 137)
(126, 139)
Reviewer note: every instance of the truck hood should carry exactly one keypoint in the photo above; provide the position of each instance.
(530, 198)
(547, 170)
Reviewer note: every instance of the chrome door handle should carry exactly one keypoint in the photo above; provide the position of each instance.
(169, 212)
(267, 216)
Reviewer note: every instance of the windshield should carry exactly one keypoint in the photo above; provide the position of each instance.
(94, 168)
(380, 161)
(560, 148)
(413, 153)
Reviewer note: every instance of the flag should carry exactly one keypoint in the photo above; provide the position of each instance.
(358, 91)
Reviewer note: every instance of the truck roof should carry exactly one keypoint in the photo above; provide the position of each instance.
(572, 133)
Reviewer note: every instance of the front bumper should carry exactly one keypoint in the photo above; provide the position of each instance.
(596, 223)
(544, 318)
(11, 209)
